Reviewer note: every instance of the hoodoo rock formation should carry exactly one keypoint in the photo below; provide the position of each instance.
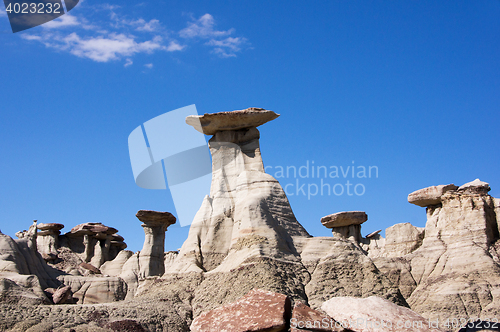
(451, 268)
(151, 257)
(247, 260)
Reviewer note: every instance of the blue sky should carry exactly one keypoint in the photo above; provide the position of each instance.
(410, 87)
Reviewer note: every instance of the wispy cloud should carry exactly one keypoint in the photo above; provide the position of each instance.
(66, 20)
(148, 65)
(3, 13)
(204, 28)
(100, 49)
(118, 37)
(151, 26)
(228, 47)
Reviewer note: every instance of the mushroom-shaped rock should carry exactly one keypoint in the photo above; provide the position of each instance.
(92, 228)
(209, 124)
(47, 240)
(430, 195)
(49, 227)
(151, 260)
(345, 218)
(96, 241)
(345, 224)
(475, 187)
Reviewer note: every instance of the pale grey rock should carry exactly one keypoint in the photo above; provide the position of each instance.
(130, 274)
(430, 195)
(314, 249)
(347, 271)
(115, 267)
(455, 271)
(169, 259)
(152, 314)
(13, 293)
(475, 187)
(373, 245)
(209, 124)
(48, 238)
(92, 290)
(243, 235)
(151, 257)
(402, 239)
(375, 314)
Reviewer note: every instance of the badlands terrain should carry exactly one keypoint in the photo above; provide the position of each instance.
(249, 265)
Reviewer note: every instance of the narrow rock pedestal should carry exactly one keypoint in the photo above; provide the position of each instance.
(346, 224)
(48, 238)
(155, 224)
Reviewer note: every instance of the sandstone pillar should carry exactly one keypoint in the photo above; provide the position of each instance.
(151, 257)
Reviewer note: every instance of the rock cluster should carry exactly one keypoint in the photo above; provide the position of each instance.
(247, 261)
(452, 267)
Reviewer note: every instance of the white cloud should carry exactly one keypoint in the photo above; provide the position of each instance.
(148, 65)
(3, 13)
(121, 38)
(174, 46)
(61, 22)
(228, 47)
(100, 48)
(128, 63)
(204, 28)
(151, 26)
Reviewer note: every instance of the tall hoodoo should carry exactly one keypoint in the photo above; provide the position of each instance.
(155, 225)
(247, 211)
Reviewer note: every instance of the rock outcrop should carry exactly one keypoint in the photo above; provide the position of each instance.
(452, 268)
(375, 314)
(245, 236)
(258, 310)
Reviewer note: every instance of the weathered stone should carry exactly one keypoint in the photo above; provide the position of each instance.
(155, 217)
(430, 195)
(209, 124)
(305, 318)
(114, 267)
(346, 218)
(374, 314)
(48, 238)
(372, 234)
(90, 267)
(62, 295)
(402, 239)
(92, 290)
(125, 325)
(92, 228)
(345, 270)
(475, 187)
(151, 257)
(19, 293)
(259, 310)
